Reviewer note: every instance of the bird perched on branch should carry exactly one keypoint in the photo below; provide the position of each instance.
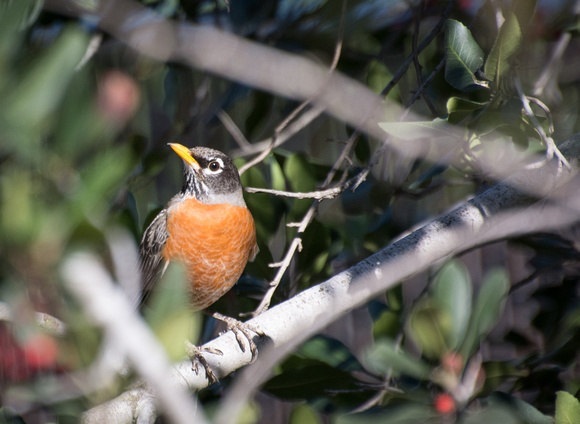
(206, 227)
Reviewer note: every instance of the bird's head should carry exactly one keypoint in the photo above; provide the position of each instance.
(210, 176)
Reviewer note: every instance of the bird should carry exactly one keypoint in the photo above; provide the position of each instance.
(208, 228)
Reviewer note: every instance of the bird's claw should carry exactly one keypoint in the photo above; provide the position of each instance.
(241, 329)
(196, 355)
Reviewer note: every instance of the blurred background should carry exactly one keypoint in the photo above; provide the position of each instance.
(84, 126)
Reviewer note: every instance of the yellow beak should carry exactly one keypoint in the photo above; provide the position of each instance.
(184, 153)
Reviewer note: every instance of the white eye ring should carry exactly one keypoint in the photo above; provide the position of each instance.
(215, 166)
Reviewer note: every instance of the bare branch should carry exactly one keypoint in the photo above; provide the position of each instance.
(329, 193)
(551, 148)
(303, 105)
(426, 41)
(233, 129)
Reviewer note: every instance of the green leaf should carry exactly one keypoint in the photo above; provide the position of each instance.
(303, 414)
(497, 372)
(331, 352)
(429, 325)
(452, 293)
(388, 324)
(300, 174)
(40, 90)
(385, 358)
(524, 11)
(463, 57)
(405, 413)
(458, 109)
(277, 175)
(487, 309)
(567, 409)
(378, 78)
(524, 410)
(507, 43)
(309, 379)
(169, 313)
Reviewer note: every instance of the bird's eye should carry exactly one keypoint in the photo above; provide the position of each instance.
(214, 166)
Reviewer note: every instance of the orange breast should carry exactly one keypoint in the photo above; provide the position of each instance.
(214, 242)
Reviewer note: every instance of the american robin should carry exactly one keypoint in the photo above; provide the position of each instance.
(207, 227)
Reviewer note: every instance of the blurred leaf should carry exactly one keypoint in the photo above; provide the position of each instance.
(567, 409)
(406, 413)
(458, 109)
(17, 220)
(524, 10)
(266, 209)
(497, 372)
(507, 43)
(331, 352)
(452, 293)
(487, 309)
(526, 412)
(384, 358)
(388, 324)
(101, 178)
(40, 90)
(169, 313)
(378, 76)
(492, 414)
(277, 175)
(429, 325)
(303, 414)
(463, 57)
(309, 379)
(300, 174)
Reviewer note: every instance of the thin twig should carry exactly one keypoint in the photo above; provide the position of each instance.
(551, 148)
(418, 67)
(546, 110)
(329, 193)
(426, 41)
(278, 130)
(233, 129)
(296, 243)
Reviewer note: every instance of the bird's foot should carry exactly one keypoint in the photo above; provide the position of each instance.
(241, 330)
(196, 355)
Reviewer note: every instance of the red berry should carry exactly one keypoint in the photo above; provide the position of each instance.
(444, 404)
(40, 351)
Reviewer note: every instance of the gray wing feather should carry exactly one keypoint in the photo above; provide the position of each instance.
(151, 253)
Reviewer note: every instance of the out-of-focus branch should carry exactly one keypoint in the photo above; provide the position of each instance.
(249, 63)
(108, 306)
